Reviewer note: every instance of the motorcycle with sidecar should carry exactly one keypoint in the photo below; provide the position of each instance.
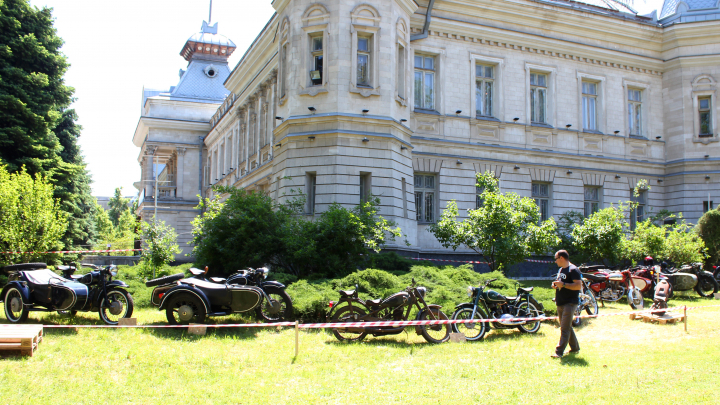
(34, 287)
(192, 299)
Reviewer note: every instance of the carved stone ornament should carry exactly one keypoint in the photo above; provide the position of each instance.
(313, 91)
(365, 92)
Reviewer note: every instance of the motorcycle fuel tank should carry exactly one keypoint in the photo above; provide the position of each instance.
(396, 299)
(491, 295)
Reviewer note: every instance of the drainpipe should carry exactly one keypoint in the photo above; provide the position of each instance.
(424, 33)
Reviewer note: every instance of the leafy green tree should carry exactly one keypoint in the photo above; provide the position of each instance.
(30, 218)
(602, 235)
(117, 205)
(647, 239)
(683, 245)
(161, 246)
(37, 129)
(708, 228)
(103, 226)
(506, 229)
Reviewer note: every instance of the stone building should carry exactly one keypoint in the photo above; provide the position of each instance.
(570, 103)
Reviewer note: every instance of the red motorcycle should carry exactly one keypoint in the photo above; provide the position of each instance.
(613, 285)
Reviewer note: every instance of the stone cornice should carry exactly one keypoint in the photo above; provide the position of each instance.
(145, 123)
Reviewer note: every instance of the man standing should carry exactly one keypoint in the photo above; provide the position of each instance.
(567, 291)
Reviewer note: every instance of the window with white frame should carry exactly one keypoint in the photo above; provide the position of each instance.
(284, 73)
(638, 214)
(484, 86)
(635, 112)
(316, 46)
(363, 60)
(589, 105)
(704, 110)
(592, 200)
(538, 97)
(425, 82)
(425, 197)
(541, 195)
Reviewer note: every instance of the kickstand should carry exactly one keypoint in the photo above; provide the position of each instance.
(603, 303)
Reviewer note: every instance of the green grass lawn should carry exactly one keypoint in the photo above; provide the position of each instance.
(621, 361)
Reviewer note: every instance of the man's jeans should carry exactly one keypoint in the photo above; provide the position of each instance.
(567, 335)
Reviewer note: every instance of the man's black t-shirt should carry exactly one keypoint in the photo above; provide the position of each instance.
(564, 296)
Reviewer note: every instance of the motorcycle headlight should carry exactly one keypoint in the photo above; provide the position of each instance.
(422, 291)
(265, 272)
(470, 291)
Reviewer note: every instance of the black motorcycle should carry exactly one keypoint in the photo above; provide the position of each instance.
(489, 304)
(691, 277)
(396, 307)
(34, 287)
(191, 300)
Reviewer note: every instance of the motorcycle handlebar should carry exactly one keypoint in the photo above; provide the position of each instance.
(490, 281)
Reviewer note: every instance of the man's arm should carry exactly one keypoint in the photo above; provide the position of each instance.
(575, 285)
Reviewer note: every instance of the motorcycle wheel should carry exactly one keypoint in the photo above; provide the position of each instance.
(434, 333)
(706, 286)
(15, 309)
(577, 321)
(591, 309)
(348, 314)
(529, 310)
(635, 299)
(264, 310)
(193, 310)
(118, 304)
(472, 331)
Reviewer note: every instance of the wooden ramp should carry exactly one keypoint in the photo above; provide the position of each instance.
(20, 338)
(668, 317)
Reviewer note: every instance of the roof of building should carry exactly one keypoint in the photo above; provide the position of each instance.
(203, 79)
(208, 42)
(611, 5)
(678, 11)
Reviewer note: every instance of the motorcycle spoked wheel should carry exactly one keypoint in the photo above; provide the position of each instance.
(15, 309)
(472, 331)
(279, 297)
(118, 304)
(635, 298)
(348, 314)
(528, 310)
(590, 309)
(434, 333)
(706, 286)
(184, 309)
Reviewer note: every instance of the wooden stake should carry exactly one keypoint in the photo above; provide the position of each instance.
(685, 313)
(297, 338)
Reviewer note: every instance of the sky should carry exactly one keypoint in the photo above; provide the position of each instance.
(116, 47)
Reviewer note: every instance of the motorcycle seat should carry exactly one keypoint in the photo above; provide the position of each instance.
(373, 303)
(593, 277)
(347, 293)
(63, 268)
(510, 298)
(217, 279)
(525, 289)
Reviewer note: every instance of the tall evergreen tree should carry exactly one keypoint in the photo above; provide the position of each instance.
(37, 129)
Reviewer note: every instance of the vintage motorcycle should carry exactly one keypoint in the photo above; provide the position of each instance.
(34, 287)
(191, 300)
(489, 304)
(396, 307)
(613, 285)
(691, 277)
(587, 303)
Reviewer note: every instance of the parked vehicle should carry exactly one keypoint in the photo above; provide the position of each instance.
(691, 277)
(613, 285)
(34, 287)
(489, 304)
(652, 273)
(587, 303)
(191, 300)
(716, 272)
(397, 307)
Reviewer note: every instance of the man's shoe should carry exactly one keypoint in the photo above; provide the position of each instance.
(556, 356)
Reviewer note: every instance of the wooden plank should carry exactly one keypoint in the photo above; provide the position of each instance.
(22, 338)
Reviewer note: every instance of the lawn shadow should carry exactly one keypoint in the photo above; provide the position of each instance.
(221, 332)
(573, 361)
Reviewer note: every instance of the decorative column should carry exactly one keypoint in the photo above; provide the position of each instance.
(148, 169)
(179, 172)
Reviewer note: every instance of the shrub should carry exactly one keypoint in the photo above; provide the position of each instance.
(708, 228)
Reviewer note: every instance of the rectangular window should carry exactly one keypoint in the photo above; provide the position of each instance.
(404, 197)
(425, 194)
(365, 186)
(363, 61)
(484, 82)
(401, 72)
(638, 214)
(310, 186)
(541, 195)
(635, 112)
(317, 58)
(704, 108)
(425, 82)
(706, 204)
(592, 200)
(479, 201)
(538, 98)
(589, 101)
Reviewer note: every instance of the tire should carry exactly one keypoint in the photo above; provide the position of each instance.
(635, 298)
(706, 286)
(24, 266)
(526, 309)
(577, 321)
(348, 314)
(195, 310)
(120, 305)
(15, 309)
(285, 312)
(472, 331)
(434, 333)
(593, 308)
(164, 280)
